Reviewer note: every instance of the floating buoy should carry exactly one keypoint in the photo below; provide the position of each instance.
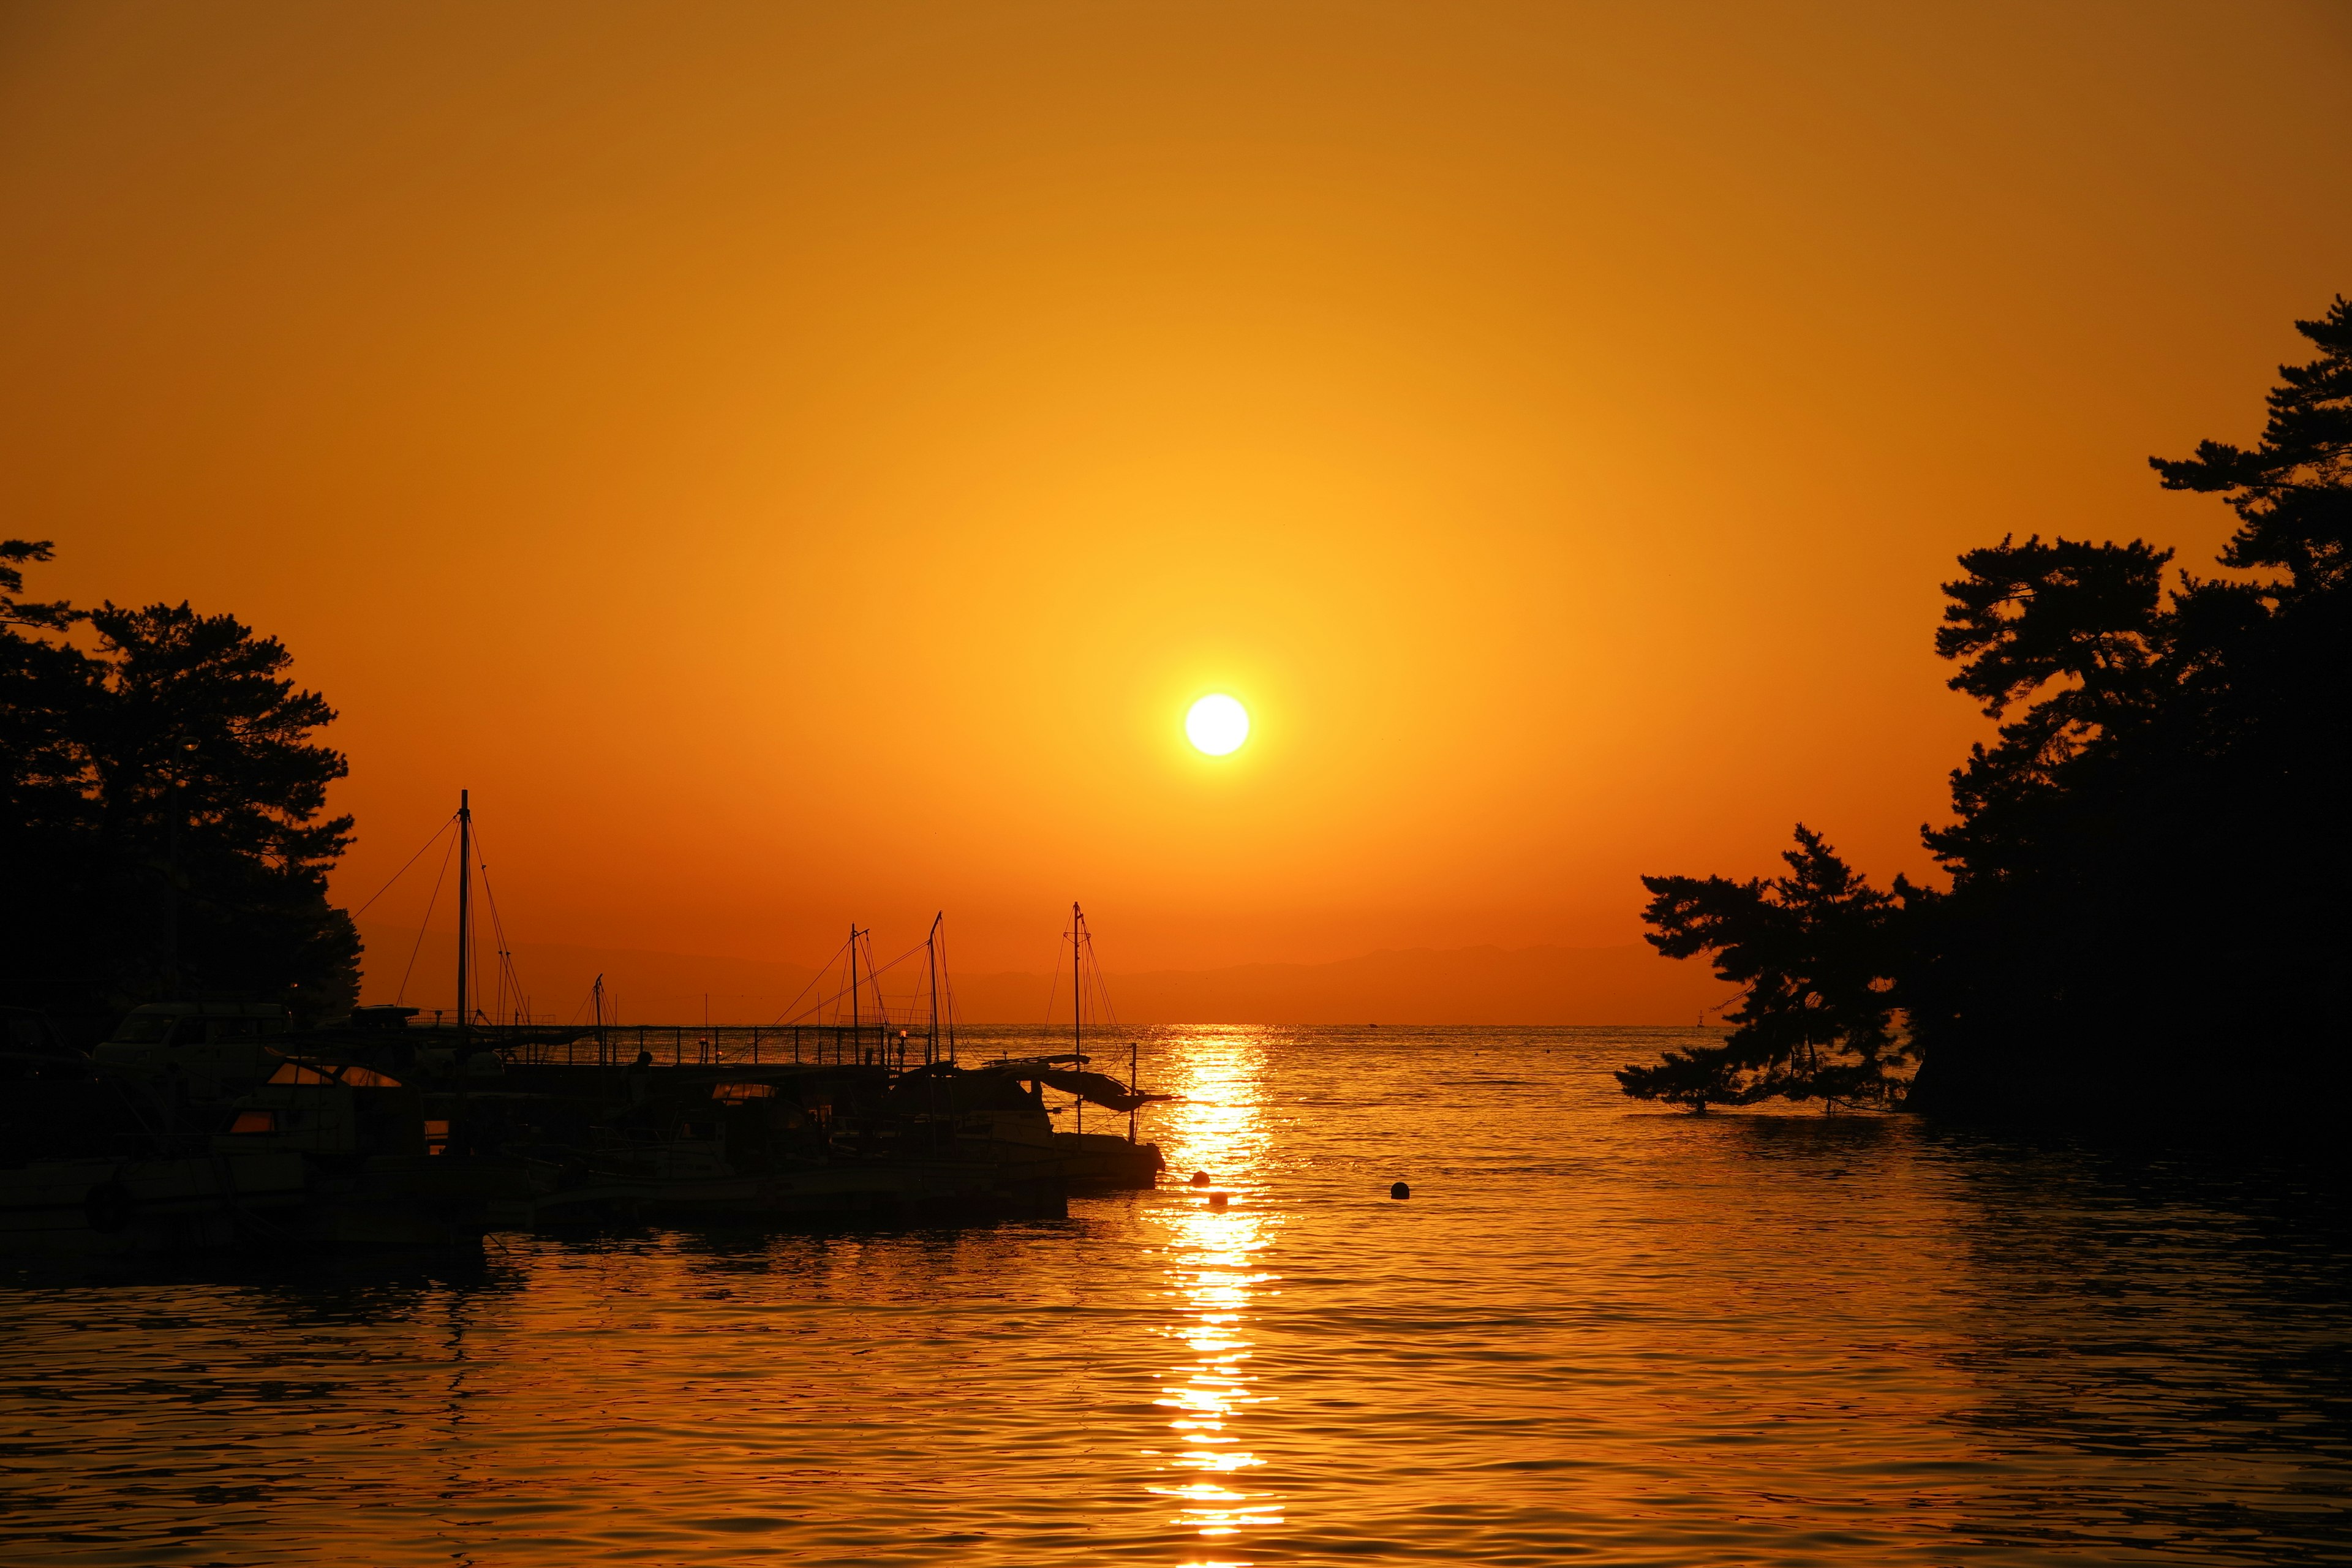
(1216, 1200)
(1399, 1190)
(1200, 1178)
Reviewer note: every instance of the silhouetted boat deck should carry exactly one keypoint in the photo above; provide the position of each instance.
(209, 1123)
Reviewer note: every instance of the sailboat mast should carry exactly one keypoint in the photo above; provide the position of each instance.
(856, 1041)
(931, 962)
(1077, 984)
(464, 900)
(949, 1018)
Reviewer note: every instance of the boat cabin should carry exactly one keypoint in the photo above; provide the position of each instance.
(212, 1047)
(196, 1022)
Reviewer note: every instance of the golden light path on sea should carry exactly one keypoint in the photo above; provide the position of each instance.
(1213, 1250)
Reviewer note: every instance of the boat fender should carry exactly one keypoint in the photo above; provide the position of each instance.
(108, 1206)
(1200, 1178)
(1399, 1190)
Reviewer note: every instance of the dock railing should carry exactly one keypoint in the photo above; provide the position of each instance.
(715, 1044)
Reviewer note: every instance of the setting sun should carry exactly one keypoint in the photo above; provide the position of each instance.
(1217, 724)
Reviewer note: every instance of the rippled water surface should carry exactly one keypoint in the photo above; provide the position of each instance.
(1596, 1333)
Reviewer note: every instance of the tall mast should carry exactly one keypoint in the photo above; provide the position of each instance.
(465, 900)
(1077, 984)
(931, 961)
(949, 1018)
(856, 1041)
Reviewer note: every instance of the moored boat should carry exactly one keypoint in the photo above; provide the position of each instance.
(205, 1123)
(166, 1204)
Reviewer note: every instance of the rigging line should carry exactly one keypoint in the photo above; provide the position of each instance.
(1102, 989)
(818, 1007)
(413, 859)
(947, 988)
(1054, 986)
(873, 974)
(823, 1002)
(812, 979)
(844, 991)
(846, 976)
(508, 977)
(498, 926)
(497, 938)
(865, 947)
(399, 996)
(886, 968)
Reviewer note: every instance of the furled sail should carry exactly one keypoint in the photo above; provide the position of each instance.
(1094, 1087)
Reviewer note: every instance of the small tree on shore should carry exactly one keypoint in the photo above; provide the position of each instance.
(1813, 952)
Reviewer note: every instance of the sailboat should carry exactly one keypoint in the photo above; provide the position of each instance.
(1091, 1159)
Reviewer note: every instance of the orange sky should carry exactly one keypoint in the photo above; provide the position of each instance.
(796, 463)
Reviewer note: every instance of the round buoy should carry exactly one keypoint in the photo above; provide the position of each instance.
(1200, 1178)
(1216, 1200)
(1399, 1189)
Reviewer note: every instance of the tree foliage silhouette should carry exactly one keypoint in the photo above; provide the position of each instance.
(2148, 862)
(1812, 951)
(166, 831)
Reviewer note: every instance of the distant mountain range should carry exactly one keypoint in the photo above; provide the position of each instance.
(1627, 984)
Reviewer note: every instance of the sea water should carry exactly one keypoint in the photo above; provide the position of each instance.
(1596, 1332)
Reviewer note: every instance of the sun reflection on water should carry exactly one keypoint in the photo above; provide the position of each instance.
(1214, 1239)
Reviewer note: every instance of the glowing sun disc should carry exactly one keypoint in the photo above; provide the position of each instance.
(1217, 724)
